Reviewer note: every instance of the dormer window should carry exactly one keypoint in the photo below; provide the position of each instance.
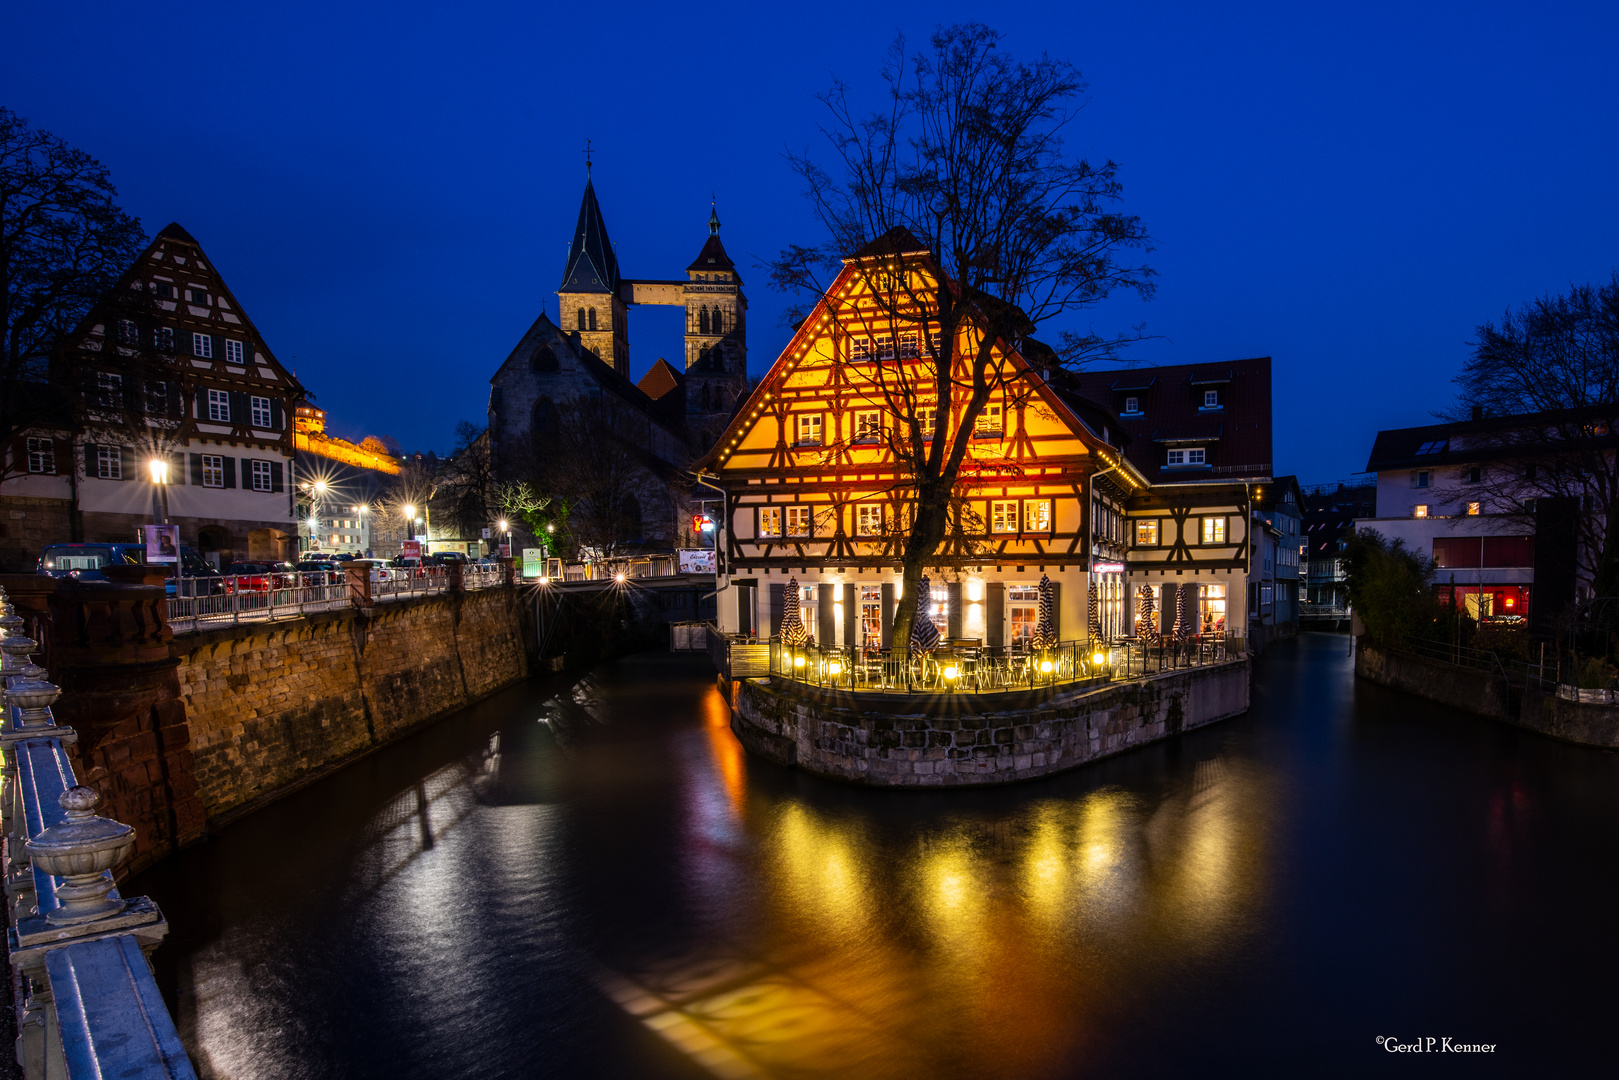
(1190, 456)
(1132, 406)
(1211, 399)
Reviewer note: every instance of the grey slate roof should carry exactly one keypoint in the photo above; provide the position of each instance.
(592, 266)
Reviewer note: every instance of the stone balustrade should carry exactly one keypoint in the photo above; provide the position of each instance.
(89, 1006)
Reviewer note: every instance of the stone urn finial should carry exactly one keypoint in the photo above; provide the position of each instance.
(17, 649)
(80, 851)
(34, 696)
(10, 621)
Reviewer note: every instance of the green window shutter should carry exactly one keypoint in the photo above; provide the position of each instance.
(90, 460)
(196, 469)
(277, 421)
(277, 476)
(230, 471)
(239, 413)
(126, 463)
(219, 347)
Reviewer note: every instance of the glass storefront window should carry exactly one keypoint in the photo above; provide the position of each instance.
(1212, 602)
(1022, 613)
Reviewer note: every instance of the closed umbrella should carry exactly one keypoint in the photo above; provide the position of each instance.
(1096, 612)
(924, 634)
(1149, 614)
(793, 633)
(1181, 628)
(1045, 631)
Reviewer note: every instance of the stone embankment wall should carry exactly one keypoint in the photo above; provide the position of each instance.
(1583, 722)
(943, 740)
(273, 705)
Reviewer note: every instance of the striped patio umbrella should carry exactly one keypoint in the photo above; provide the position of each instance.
(924, 634)
(1149, 612)
(1045, 631)
(793, 634)
(1095, 606)
(1182, 626)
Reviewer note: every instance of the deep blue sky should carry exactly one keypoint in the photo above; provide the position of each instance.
(1347, 188)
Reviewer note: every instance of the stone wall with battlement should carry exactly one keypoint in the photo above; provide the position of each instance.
(947, 740)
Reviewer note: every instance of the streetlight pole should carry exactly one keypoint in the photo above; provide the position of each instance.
(159, 469)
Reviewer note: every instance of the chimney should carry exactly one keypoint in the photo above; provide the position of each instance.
(1478, 412)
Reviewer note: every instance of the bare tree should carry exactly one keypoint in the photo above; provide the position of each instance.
(968, 226)
(599, 480)
(1556, 361)
(467, 490)
(64, 242)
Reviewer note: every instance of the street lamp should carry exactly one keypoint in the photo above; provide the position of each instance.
(159, 470)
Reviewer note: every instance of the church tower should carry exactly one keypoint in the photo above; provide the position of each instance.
(716, 338)
(592, 309)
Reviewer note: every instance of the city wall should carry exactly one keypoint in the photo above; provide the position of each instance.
(271, 706)
(948, 740)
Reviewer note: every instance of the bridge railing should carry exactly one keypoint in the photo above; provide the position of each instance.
(88, 1006)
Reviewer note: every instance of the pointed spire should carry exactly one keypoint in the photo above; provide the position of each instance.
(713, 256)
(713, 220)
(592, 265)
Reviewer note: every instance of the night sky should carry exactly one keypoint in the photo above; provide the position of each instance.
(1347, 188)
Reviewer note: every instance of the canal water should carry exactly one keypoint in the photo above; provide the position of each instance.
(588, 878)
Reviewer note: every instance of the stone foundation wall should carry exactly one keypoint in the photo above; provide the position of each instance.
(1461, 688)
(942, 740)
(271, 705)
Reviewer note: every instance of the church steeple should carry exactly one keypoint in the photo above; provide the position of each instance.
(591, 295)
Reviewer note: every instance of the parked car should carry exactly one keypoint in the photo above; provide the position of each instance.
(321, 572)
(443, 557)
(380, 570)
(86, 562)
(247, 577)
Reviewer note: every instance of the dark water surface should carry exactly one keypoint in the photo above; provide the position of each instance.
(591, 880)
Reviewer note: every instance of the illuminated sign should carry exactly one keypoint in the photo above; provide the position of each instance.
(1107, 568)
(702, 523)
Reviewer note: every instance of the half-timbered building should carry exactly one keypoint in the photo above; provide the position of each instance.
(165, 401)
(1141, 526)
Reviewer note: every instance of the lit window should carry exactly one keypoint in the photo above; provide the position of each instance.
(219, 405)
(809, 429)
(1420, 510)
(907, 345)
(1147, 533)
(868, 426)
(41, 455)
(213, 471)
(1003, 516)
(860, 348)
(927, 420)
(1214, 530)
(1132, 405)
(1472, 509)
(233, 352)
(109, 463)
(798, 521)
(990, 422)
(885, 347)
(202, 345)
(868, 519)
(261, 412)
(261, 475)
(1193, 456)
(769, 521)
(1037, 515)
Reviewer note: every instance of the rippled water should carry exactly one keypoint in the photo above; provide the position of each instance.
(591, 879)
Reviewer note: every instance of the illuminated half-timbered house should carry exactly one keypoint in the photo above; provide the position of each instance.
(816, 492)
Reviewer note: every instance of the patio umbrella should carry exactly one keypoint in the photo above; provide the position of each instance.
(793, 634)
(1096, 613)
(1149, 613)
(924, 634)
(1045, 631)
(1181, 626)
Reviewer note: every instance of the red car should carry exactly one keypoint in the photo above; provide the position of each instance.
(260, 576)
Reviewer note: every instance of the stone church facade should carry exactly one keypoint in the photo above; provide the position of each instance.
(673, 414)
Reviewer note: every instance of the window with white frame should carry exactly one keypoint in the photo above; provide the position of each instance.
(885, 346)
(1214, 530)
(202, 345)
(233, 352)
(1037, 515)
(1147, 533)
(1132, 405)
(219, 405)
(798, 521)
(1211, 399)
(1421, 479)
(197, 296)
(868, 426)
(1420, 510)
(109, 463)
(1003, 516)
(259, 471)
(164, 338)
(990, 422)
(213, 471)
(261, 412)
(868, 519)
(769, 521)
(860, 348)
(907, 345)
(1190, 456)
(809, 429)
(41, 455)
(109, 390)
(928, 420)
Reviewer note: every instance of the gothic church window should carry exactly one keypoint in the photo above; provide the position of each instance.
(593, 318)
(543, 360)
(581, 318)
(542, 421)
(702, 319)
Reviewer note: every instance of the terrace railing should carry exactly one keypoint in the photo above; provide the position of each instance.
(88, 1005)
(965, 668)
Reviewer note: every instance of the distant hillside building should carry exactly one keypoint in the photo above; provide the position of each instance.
(339, 485)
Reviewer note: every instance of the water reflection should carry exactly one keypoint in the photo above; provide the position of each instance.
(594, 880)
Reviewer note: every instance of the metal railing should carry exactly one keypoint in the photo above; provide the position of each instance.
(88, 1006)
(203, 602)
(966, 668)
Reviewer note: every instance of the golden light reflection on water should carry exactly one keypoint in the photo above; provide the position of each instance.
(727, 751)
(878, 946)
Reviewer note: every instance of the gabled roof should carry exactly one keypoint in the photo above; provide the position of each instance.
(713, 257)
(592, 265)
(896, 241)
(660, 379)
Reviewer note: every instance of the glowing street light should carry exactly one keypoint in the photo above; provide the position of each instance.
(619, 577)
(159, 470)
(410, 513)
